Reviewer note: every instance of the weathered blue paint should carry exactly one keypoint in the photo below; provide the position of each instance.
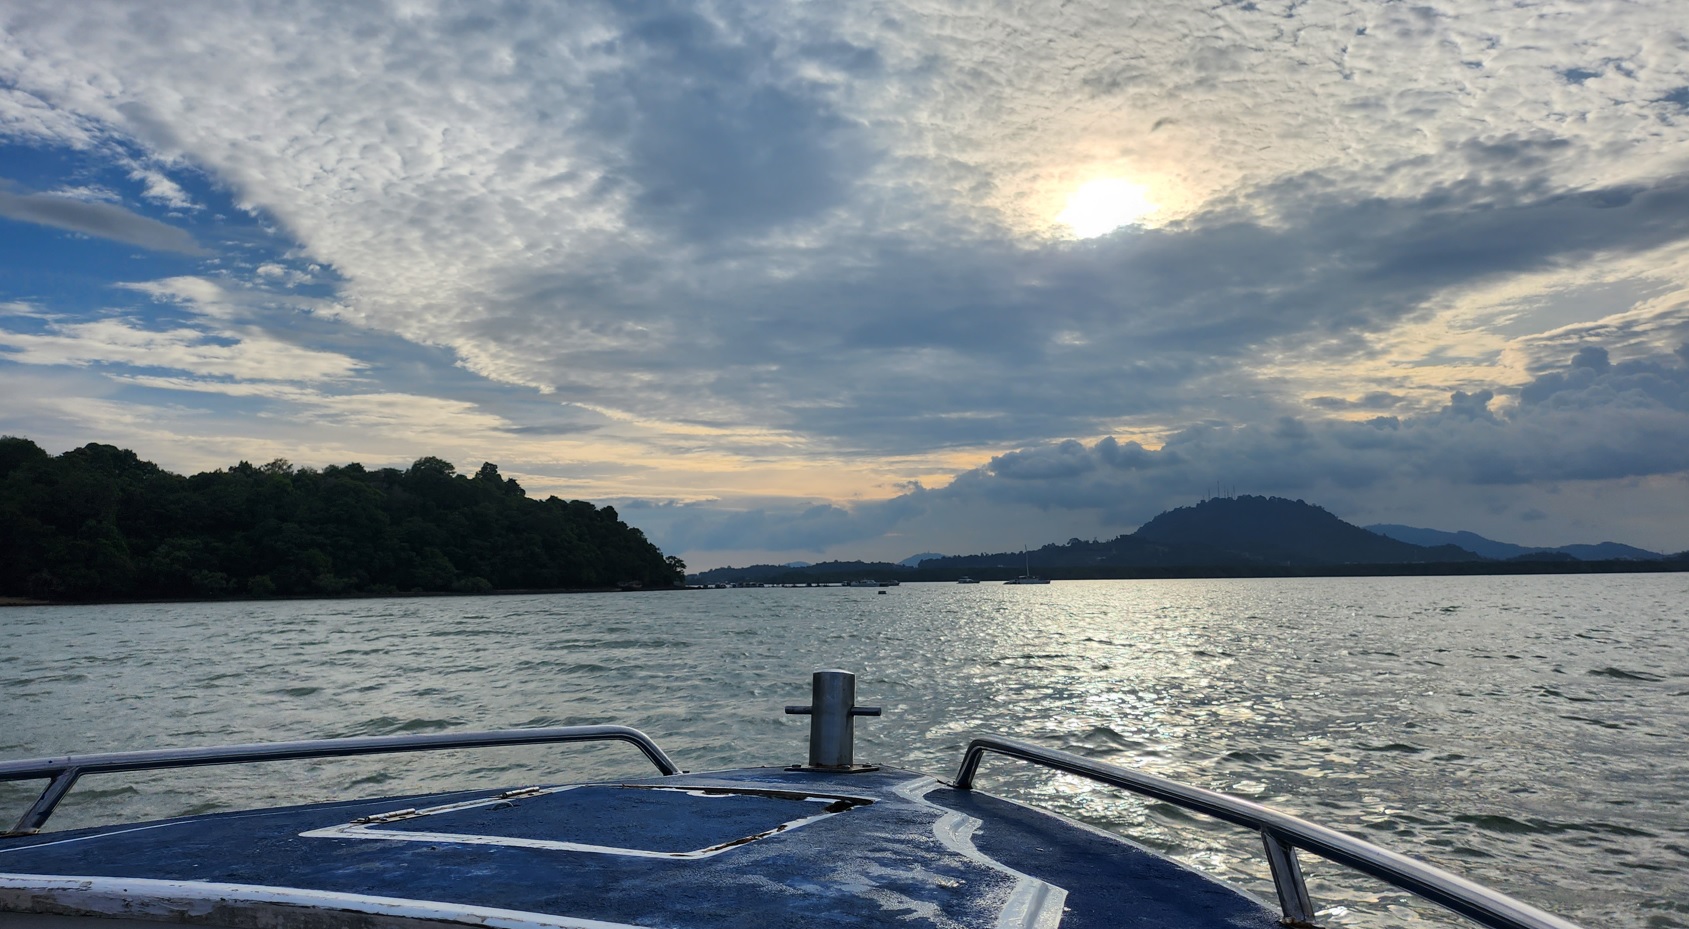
(886, 848)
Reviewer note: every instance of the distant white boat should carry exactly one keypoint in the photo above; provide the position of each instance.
(1028, 577)
(967, 580)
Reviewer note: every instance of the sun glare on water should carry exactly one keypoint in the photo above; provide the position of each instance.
(1104, 205)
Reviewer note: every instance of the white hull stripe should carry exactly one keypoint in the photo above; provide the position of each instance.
(1033, 904)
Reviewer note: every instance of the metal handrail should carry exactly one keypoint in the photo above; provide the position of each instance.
(65, 770)
(1282, 834)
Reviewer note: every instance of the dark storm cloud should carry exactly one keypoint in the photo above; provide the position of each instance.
(103, 220)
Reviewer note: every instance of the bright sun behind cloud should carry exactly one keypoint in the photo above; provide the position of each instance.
(1104, 205)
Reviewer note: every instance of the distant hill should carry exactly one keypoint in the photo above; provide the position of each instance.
(1288, 532)
(1489, 548)
(1609, 551)
(1248, 532)
(1234, 536)
(1243, 535)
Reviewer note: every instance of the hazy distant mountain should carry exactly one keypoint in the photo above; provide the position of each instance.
(1489, 548)
(1471, 541)
(1609, 551)
(914, 561)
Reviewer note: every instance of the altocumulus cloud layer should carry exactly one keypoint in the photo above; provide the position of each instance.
(788, 281)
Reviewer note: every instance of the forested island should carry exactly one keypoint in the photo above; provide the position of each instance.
(99, 523)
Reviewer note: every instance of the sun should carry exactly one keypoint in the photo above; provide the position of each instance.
(1104, 205)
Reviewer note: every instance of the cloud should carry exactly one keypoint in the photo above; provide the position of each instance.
(1590, 421)
(21, 308)
(160, 188)
(247, 355)
(735, 244)
(809, 217)
(800, 528)
(89, 193)
(26, 116)
(711, 133)
(104, 220)
(192, 420)
(1375, 400)
(216, 342)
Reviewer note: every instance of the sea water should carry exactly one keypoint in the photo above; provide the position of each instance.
(1531, 733)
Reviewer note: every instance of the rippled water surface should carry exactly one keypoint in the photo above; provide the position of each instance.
(1530, 732)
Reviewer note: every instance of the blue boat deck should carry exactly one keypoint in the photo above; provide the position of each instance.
(758, 847)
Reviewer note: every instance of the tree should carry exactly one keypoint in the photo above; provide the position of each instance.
(98, 522)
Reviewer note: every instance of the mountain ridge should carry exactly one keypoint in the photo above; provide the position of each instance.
(1283, 531)
(1490, 548)
(1221, 536)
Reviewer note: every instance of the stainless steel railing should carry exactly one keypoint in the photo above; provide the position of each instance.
(64, 772)
(1282, 834)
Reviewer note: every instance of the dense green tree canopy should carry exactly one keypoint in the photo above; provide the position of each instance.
(97, 523)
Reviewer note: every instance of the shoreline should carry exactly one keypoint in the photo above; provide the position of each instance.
(8, 601)
(1207, 572)
(773, 576)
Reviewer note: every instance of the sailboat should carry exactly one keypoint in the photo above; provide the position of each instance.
(1028, 577)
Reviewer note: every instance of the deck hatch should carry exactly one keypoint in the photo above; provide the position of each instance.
(611, 819)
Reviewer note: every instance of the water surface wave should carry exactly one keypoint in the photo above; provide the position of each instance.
(1531, 732)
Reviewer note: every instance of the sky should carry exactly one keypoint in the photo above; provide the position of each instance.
(816, 281)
